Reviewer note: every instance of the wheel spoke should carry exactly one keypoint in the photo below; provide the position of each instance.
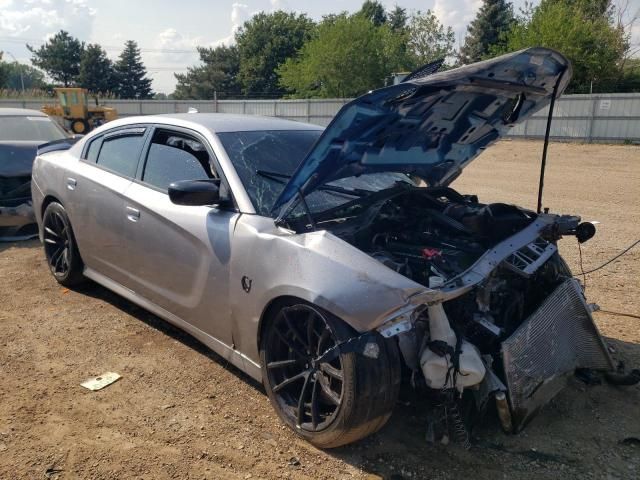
(323, 337)
(282, 363)
(65, 259)
(294, 330)
(59, 226)
(58, 261)
(51, 232)
(301, 399)
(331, 371)
(290, 345)
(311, 332)
(314, 404)
(290, 380)
(55, 256)
(329, 394)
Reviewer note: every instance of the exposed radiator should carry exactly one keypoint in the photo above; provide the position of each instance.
(545, 350)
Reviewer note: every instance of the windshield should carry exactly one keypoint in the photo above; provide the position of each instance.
(266, 159)
(29, 129)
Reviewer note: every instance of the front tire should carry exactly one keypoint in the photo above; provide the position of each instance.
(327, 403)
(60, 246)
(80, 126)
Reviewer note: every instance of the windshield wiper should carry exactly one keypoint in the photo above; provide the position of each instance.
(277, 177)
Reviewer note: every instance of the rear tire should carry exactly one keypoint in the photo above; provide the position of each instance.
(60, 246)
(343, 400)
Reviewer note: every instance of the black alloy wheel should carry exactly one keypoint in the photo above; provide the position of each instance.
(308, 389)
(60, 248)
(327, 395)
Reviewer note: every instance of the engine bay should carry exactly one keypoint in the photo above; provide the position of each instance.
(438, 233)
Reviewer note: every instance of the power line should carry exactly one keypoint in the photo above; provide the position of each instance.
(105, 47)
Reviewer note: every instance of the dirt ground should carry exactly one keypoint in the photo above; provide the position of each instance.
(180, 412)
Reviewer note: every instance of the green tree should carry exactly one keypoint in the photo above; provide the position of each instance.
(19, 74)
(593, 9)
(264, 43)
(489, 29)
(374, 12)
(595, 46)
(630, 81)
(97, 73)
(398, 19)
(132, 81)
(348, 56)
(429, 39)
(59, 57)
(218, 73)
(4, 72)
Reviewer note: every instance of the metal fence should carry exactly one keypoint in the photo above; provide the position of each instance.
(585, 118)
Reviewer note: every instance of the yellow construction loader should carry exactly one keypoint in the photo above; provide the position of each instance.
(74, 112)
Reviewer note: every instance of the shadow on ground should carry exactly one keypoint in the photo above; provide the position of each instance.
(581, 432)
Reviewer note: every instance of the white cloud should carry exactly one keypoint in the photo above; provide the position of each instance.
(279, 5)
(456, 13)
(239, 14)
(36, 20)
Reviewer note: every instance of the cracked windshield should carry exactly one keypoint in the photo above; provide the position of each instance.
(265, 160)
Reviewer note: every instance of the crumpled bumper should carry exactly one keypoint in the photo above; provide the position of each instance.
(541, 355)
(17, 221)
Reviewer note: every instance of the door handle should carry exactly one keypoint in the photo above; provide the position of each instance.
(71, 183)
(133, 214)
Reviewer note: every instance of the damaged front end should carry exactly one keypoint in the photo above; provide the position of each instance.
(17, 220)
(503, 321)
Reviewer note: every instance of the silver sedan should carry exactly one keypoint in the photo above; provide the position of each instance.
(332, 264)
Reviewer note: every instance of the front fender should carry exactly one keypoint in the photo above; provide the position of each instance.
(317, 267)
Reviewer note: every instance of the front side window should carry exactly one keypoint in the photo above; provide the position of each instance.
(120, 153)
(173, 157)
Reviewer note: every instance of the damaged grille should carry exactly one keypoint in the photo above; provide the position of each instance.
(545, 350)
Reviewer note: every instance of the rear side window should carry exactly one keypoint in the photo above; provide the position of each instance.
(173, 157)
(120, 153)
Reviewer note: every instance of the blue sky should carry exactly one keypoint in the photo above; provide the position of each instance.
(168, 30)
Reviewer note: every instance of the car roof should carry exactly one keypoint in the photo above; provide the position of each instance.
(225, 122)
(20, 112)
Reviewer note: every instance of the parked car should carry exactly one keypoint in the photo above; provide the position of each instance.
(21, 131)
(325, 263)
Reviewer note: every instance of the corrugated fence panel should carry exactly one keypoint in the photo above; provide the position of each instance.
(295, 109)
(230, 106)
(603, 117)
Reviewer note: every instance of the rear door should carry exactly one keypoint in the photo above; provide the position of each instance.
(96, 193)
(179, 256)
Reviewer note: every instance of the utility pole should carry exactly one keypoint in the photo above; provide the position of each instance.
(19, 65)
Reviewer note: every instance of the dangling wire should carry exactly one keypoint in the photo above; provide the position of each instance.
(584, 275)
(612, 259)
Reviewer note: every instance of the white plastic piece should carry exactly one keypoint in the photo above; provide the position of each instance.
(98, 383)
(436, 282)
(436, 369)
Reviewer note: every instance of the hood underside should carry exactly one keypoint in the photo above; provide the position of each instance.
(430, 126)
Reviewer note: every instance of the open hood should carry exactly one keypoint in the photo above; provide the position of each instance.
(431, 125)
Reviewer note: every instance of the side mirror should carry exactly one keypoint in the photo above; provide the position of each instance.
(195, 192)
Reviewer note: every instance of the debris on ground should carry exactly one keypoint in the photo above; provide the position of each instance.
(101, 381)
